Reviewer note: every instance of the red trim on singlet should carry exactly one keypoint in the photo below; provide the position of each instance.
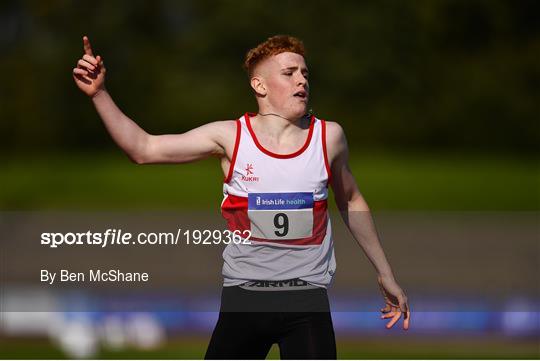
(325, 152)
(235, 151)
(276, 155)
(235, 211)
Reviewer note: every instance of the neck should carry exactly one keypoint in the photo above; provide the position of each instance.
(277, 124)
(291, 120)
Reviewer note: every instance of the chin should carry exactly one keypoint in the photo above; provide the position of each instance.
(298, 112)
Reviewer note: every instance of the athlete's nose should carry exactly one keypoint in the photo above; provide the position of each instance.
(302, 81)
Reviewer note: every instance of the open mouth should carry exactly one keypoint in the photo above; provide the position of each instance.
(301, 94)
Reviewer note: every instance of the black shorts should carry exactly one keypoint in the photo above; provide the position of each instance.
(250, 322)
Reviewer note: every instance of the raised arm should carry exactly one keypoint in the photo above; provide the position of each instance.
(357, 216)
(141, 147)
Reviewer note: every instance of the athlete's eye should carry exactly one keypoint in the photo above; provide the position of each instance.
(288, 74)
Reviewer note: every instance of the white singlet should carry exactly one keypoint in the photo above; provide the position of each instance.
(282, 200)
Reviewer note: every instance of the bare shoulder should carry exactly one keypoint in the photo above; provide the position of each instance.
(220, 126)
(224, 133)
(218, 130)
(336, 142)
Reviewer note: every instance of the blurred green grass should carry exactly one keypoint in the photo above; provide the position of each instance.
(357, 348)
(388, 181)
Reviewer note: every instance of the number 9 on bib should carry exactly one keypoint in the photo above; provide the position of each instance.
(281, 216)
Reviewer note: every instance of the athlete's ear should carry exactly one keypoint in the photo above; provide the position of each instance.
(258, 85)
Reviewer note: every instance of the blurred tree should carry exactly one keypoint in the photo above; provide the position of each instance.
(445, 74)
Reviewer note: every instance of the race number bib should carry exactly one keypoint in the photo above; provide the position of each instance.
(281, 216)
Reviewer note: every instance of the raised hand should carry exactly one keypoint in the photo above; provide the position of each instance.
(89, 75)
(395, 302)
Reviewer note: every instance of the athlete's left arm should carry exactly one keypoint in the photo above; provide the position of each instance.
(357, 216)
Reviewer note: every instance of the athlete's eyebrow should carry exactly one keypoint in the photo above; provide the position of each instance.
(290, 68)
(293, 68)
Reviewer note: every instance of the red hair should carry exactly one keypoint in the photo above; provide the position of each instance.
(272, 46)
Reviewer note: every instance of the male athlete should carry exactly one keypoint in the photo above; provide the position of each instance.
(277, 165)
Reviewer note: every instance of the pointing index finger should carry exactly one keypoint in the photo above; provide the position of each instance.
(87, 46)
